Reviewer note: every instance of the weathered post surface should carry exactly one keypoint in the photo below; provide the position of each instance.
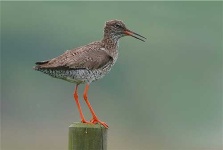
(84, 136)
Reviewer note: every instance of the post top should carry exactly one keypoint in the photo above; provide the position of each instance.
(85, 125)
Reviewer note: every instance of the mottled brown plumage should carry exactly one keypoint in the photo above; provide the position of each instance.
(88, 63)
(90, 57)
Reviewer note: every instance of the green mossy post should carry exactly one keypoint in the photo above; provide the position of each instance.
(84, 136)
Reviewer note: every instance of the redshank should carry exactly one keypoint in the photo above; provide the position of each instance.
(88, 63)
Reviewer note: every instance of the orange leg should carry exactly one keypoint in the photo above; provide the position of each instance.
(95, 118)
(79, 106)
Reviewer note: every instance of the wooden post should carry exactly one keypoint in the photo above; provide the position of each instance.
(84, 136)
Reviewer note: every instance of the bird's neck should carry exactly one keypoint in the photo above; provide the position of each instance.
(110, 40)
(111, 45)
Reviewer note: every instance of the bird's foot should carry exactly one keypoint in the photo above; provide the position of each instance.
(87, 122)
(95, 120)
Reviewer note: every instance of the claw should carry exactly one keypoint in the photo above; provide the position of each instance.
(94, 121)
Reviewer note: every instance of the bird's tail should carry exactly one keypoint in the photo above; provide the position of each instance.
(39, 65)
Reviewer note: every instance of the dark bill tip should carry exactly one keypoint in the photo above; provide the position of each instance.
(135, 35)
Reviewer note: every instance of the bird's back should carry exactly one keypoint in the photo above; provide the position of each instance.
(82, 64)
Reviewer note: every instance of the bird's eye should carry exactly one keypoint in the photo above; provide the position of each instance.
(118, 26)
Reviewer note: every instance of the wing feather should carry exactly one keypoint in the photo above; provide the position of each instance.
(88, 57)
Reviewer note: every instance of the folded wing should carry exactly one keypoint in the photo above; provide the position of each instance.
(80, 58)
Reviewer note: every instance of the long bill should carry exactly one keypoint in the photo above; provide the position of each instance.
(135, 35)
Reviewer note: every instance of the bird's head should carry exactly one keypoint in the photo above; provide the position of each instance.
(117, 29)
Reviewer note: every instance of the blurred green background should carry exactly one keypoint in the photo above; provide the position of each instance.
(164, 94)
